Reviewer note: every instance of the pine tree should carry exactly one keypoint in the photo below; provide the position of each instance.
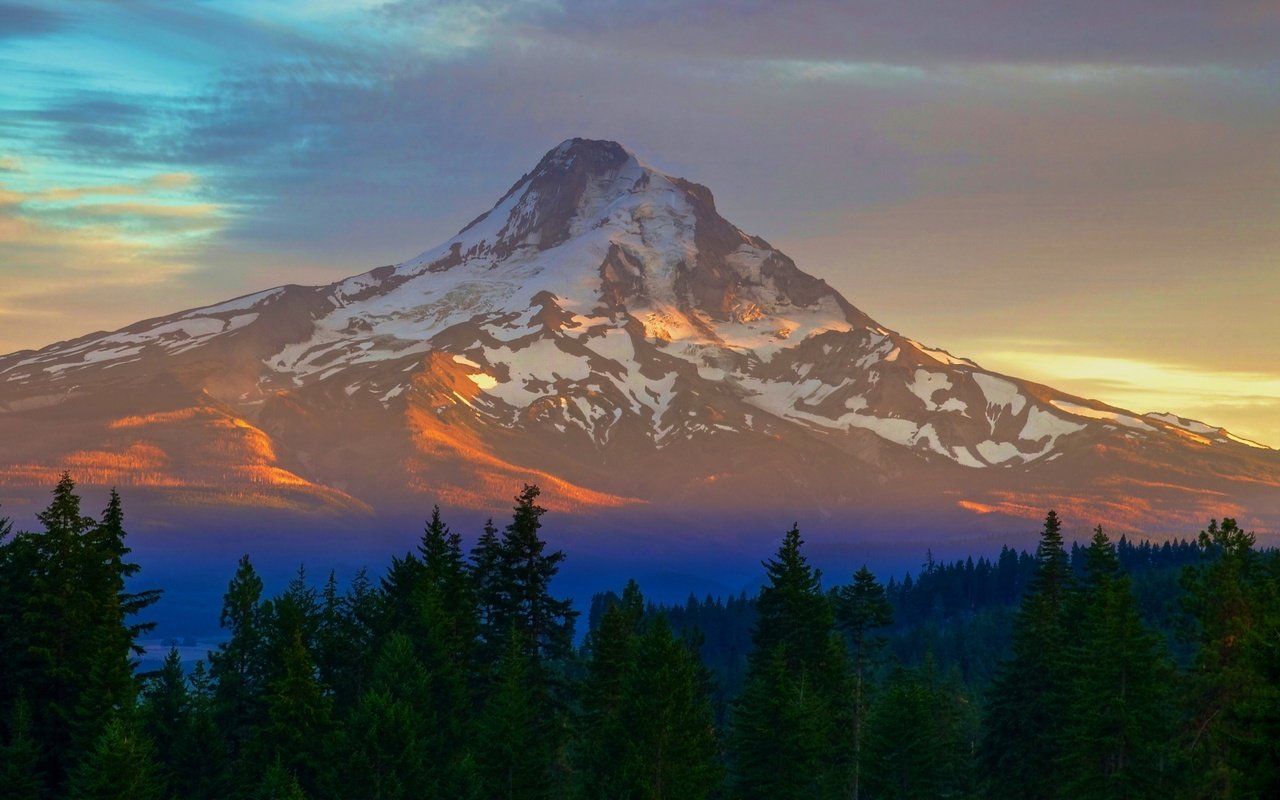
(20, 775)
(490, 597)
(165, 714)
(862, 608)
(525, 570)
(61, 633)
(1260, 711)
(293, 613)
(447, 577)
(299, 725)
(386, 733)
(1117, 732)
(278, 783)
(1028, 702)
(201, 768)
(109, 537)
(778, 742)
(791, 730)
(121, 766)
(915, 743)
(384, 759)
(515, 748)
(1221, 599)
(238, 667)
(670, 752)
(72, 626)
(347, 633)
(17, 564)
(429, 598)
(603, 737)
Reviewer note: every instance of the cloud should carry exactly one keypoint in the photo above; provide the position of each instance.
(168, 181)
(21, 21)
(930, 32)
(70, 263)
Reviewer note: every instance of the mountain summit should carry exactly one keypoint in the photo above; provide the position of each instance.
(603, 331)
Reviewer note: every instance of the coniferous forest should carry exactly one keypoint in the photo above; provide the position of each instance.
(1101, 669)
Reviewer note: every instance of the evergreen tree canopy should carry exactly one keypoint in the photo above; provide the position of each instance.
(791, 730)
(862, 608)
(238, 666)
(121, 766)
(69, 627)
(524, 573)
(1118, 727)
(1029, 701)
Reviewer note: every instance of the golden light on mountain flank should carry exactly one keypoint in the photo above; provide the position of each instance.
(196, 454)
(455, 465)
(1122, 514)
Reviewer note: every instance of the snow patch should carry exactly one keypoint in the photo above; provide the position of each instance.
(1000, 392)
(925, 384)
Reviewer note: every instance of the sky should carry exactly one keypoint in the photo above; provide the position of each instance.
(1086, 194)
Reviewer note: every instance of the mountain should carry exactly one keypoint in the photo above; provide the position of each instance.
(604, 332)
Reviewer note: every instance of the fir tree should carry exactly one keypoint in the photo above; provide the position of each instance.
(278, 783)
(430, 599)
(429, 756)
(345, 636)
(602, 733)
(485, 558)
(779, 739)
(1117, 732)
(646, 729)
(1028, 702)
(670, 751)
(515, 748)
(1260, 711)
(791, 730)
(915, 743)
(387, 733)
(861, 609)
(73, 626)
(238, 665)
(201, 769)
(1222, 601)
(384, 759)
(110, 535)
(20, 775)
(525, 605)
(447, 578)
(299, 724)
(121, 766)
(165, 714)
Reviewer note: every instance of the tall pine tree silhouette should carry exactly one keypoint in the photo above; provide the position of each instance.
(1028, 703)
(791, 724)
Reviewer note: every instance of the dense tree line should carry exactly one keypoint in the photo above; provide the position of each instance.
(1080, 671)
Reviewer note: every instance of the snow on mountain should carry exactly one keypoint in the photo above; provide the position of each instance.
(602, 329)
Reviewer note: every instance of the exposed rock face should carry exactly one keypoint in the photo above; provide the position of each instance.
(605, 332)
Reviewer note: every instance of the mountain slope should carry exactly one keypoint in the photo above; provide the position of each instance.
(604, 332)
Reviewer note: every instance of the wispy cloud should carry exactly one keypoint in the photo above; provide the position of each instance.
(21, 20)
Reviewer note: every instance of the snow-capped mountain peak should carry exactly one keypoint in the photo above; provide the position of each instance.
(601, 313)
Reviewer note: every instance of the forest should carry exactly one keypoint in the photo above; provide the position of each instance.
(1098, 669)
